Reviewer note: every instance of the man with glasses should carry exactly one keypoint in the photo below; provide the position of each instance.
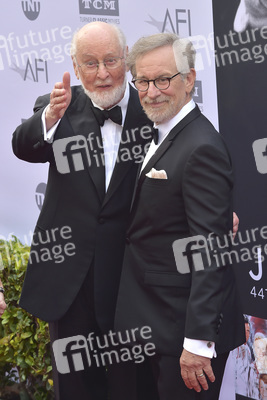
(171, 279)
(94, 138)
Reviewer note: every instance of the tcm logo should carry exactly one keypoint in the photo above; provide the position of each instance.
(99, 7)
(71, 154)
(260, 154)
(191, 254)
(71, 354)
(31, 9)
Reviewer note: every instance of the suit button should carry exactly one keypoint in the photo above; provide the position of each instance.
(101, 220)
(209, 344)
(127, 240)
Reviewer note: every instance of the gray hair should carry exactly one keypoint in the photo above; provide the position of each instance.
(120, 36)
(183, 50)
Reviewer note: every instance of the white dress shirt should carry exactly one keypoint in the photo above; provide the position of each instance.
(165, 128)
(111, 136)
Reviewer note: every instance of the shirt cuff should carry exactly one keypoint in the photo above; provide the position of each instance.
(202, 348)
(49, 135)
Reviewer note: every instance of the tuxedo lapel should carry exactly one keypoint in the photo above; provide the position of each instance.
(163, 148)
(156, 156)
(168, 141)
(141, 176)
(84, 123)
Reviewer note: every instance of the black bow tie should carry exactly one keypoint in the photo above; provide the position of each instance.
(155, 135)
(114, 114)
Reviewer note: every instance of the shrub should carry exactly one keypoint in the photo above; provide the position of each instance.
(25, 364)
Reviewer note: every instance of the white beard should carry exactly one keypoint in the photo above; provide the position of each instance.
(107, 99)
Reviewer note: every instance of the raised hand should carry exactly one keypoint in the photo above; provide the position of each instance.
(60, 98)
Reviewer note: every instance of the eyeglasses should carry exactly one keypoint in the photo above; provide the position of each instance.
(161, 83)
(92, 66)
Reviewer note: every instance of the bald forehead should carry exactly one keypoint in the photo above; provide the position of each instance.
(97, 33)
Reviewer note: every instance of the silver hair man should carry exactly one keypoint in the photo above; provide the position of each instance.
(183, 50)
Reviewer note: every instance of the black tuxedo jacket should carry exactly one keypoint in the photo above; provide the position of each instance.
(194, 200)
(77, 216)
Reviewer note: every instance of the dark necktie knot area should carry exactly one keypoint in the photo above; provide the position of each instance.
(114, 114)
(155, 134)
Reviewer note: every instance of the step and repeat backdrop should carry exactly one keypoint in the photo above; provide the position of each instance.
(231, 42)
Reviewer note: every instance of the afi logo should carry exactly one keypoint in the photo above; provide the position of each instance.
(71, 154)
(260, 154)
(31, 9)
(71, 354)
(99, 7)
(191, 254)
(179, 22)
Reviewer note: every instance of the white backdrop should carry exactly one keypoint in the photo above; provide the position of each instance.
(34, 53)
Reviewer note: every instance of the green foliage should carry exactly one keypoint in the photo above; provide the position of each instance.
(25, 364)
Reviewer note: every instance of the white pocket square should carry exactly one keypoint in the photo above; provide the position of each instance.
(154, 174)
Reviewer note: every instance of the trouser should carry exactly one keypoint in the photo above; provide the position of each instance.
(77, 370)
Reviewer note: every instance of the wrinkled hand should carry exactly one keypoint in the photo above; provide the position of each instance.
(2, 304)
(60, 99)
(192, 366)
(235, 224)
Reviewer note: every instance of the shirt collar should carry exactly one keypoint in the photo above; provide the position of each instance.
(166, 127)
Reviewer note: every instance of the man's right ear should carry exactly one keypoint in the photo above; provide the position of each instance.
(190, 80)
(75, 67)
(126, 55)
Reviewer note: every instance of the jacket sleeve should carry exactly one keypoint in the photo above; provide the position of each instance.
(207, 187)
(28, 140)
